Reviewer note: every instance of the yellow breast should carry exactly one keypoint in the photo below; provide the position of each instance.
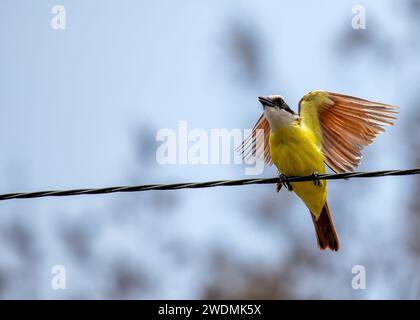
(295, 152)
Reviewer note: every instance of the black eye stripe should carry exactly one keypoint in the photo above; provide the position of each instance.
(281, 104)
(278, 101)
(286, 107)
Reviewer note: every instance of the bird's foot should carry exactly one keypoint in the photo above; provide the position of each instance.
(316, 181)
(283, 182)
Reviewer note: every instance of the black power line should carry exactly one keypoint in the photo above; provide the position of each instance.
(208, 184)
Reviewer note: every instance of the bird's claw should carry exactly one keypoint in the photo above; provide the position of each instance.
(316, 181)
(283, 182)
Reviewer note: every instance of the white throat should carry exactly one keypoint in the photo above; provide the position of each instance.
(278, 118)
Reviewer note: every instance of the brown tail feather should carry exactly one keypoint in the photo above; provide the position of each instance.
(325, 231)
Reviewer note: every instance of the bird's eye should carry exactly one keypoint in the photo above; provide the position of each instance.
(279, 102)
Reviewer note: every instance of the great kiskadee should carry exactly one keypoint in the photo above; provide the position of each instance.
(330, 129)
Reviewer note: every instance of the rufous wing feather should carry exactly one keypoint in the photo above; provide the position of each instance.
(256, 144)
(346, 125)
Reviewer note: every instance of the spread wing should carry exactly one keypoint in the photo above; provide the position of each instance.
(256, 144)
(344, 125)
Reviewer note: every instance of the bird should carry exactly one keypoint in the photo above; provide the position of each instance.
(330, 129)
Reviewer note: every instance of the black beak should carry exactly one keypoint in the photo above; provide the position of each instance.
(266, 102)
